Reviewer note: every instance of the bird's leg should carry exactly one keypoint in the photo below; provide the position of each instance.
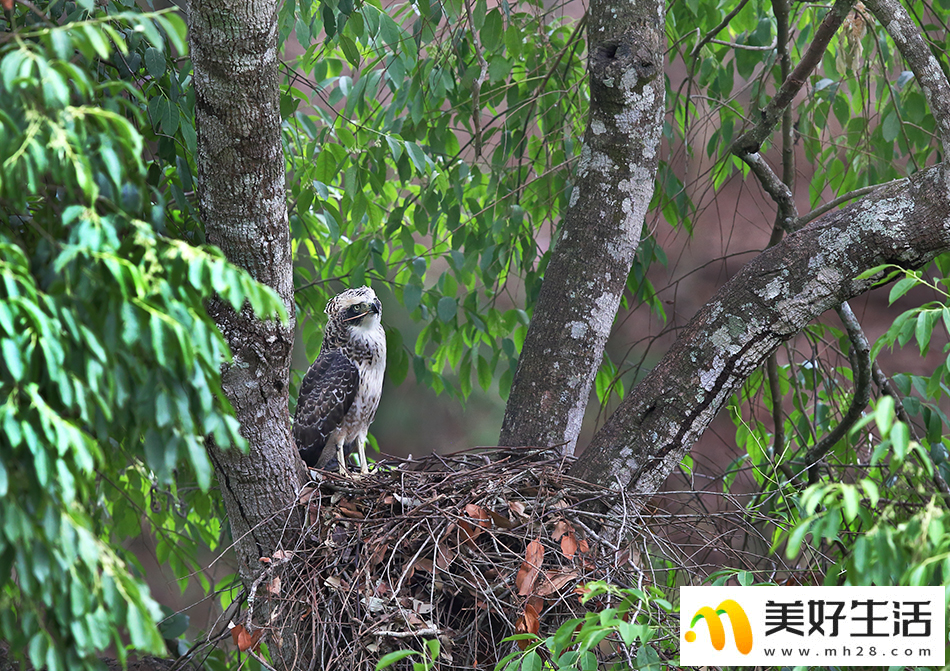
(341, 457)
(361, 450)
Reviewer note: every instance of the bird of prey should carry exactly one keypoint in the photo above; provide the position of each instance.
(340, 393)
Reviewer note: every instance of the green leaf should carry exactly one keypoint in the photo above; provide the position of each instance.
(531, 661)
(411, 296)
(154, 62)
(446, 308)
(391, 658)
(417, 155)
(884, 414)
(492, 33)
(891, 127)
(478, 14)
(484, 372)
(924, 330)
(170, 118)
(900, 439)
(350, 51)
(852, 502)
(901, 288)
(198, 456)
(163, 409)
(11, 357)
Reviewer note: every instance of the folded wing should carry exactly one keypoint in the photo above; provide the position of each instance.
(326, 395)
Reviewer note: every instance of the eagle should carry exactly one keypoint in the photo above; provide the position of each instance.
(340, 392)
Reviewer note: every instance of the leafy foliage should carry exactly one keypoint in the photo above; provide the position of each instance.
(111, 375)
(863, 121)
(631, 629)
(433, 153)
(430, 148)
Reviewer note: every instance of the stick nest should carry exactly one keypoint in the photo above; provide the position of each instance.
(467, 549)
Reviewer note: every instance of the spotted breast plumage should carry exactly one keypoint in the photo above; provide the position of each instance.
(340, 392)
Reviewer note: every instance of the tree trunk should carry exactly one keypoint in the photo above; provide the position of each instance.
(241, 193)
(601, 232)
(766, 303)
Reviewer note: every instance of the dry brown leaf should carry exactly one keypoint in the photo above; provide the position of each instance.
(528, 573)
(534, 554)
(522, 577)
(273, 587)
(413, 620)
(531, 620)
(308, 492)
(244, 640)
(537, 603)
(422, 607)
(467, 534)
(378, 554)
(283, 554)
(527, 623)
(517, 507)
(560, 528)
(569, 545)
(554, 581)
(583, 546)
(500, 520)
(480, 514)
(424, 565)
(7, 4)
(443, 556)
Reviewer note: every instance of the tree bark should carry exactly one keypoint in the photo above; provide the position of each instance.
(241, 192)
(926, 69)
(766, 303)
(600, 234)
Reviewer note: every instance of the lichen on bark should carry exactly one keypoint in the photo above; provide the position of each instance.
(772, 298)
(601, 231)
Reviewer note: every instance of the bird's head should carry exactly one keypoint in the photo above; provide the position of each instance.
(355, 308)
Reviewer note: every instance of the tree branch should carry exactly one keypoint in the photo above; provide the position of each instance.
(242, 197)
(715, 31)
(885, 386)
(860, 357)
(750, 141)
(906, 35)
(589, 265)
(767, 302)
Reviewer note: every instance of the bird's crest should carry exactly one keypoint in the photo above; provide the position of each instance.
(349, 298)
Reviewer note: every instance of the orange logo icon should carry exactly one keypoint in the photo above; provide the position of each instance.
(741, 630)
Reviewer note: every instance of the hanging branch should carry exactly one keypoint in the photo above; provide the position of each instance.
(933, 82)
(750, 141)
(860, 357)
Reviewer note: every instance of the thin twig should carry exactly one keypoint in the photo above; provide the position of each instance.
(750, 141)
(832, 204)
(931, 78)
(860, 356)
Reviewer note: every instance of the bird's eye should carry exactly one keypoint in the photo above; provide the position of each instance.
(353, 310)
